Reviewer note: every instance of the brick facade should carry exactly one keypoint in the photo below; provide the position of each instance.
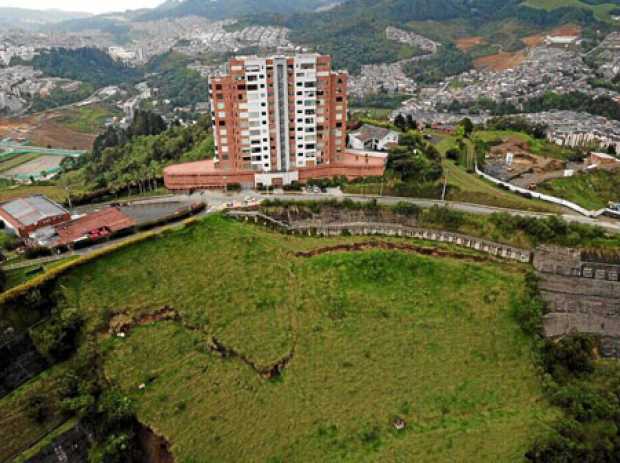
(276, 115)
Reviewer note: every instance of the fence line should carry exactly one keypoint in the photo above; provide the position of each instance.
(541, 196)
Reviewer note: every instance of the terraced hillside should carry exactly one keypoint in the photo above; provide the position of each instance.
(265, 355)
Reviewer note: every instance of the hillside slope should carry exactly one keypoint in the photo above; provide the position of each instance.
(221, 9)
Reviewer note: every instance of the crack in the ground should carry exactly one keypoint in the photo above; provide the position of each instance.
(368, 245)
(122, 324)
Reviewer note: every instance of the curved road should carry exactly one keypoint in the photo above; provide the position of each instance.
(219, 200)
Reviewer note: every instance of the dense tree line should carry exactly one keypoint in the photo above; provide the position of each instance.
(59, 97)
(89, 65)
(135, 158)
(177, 83)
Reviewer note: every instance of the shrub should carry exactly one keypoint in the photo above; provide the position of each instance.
(407, 209)
(11, 242)
(444, 216)
(528, 310)
(570, 356)
(57, 338)
(35, 252)
(37, 408)
(453, 154)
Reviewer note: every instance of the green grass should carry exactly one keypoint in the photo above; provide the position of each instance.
(381, 114)
(88, 119)
(601, 12)
(592, 190)
(53, 192)
(18, 431)
(471, 188)
(22, 275)
(375, 335)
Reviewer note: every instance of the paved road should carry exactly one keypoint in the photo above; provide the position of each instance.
(216, 198)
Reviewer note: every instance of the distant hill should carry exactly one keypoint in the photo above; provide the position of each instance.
(29, 19)
(222, 9)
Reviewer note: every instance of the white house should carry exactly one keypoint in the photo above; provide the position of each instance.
(370, 137)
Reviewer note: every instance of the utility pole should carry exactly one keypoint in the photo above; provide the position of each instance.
(445, 185)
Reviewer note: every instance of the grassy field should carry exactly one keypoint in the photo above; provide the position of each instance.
(53, 192)
(372, 336)
(19, 276)
(382, 114)
(601, 12)
(87, 119)
(592, 190)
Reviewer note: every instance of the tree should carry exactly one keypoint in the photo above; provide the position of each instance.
(468, 126)
(412, 124)
(453, 154)
(401, 123)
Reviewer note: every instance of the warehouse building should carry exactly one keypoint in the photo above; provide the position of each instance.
(26, 215)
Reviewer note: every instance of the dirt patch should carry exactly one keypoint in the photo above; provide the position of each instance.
(526, 169)
(123, 323)
(368, 245)
(44, 130)
(501, 61)
(567, 29)
(467, 43)
(537, 40)
(154, 448)
(36, 166)
(532, 41)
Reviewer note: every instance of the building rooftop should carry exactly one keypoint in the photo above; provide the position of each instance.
(208, 166)
(110, 218)
(368, 132)
(32, 210)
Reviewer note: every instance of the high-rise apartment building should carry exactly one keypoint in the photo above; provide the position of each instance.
(279, 114)
(276, 120)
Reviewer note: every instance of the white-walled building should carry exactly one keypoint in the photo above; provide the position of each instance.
(370, 137)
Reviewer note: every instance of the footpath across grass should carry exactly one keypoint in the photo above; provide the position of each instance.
(369, 337)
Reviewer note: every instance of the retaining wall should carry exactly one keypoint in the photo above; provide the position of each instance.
(582, 296)
(389, 229)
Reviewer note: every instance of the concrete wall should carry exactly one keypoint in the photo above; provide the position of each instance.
(391, 229)
(582, 296)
